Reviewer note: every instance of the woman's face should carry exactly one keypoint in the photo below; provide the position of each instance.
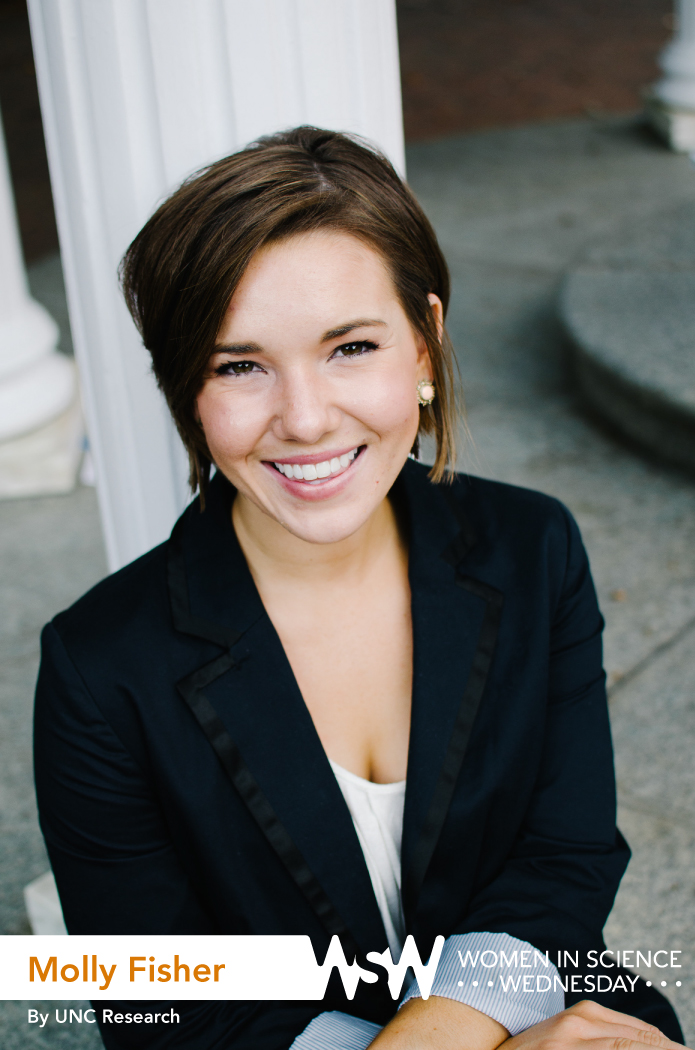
(309, 406)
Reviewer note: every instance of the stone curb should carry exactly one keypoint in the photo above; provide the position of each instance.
(629, 310)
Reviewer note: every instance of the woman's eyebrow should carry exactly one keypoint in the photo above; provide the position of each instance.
(238, 348)
(332, 333)
(343, 329)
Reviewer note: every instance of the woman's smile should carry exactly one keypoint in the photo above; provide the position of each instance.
(314, 476)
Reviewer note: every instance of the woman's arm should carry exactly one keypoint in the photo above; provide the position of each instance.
(557, 886)
(115, 865)
(442, 1024)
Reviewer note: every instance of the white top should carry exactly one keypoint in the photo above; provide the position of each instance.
(377, 813)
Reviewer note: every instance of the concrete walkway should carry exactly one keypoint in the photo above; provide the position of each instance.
(513, 209)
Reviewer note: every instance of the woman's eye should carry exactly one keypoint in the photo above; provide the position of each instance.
(364, 346)
(236, 368)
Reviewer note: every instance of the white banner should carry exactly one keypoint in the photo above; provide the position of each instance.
(192, 967)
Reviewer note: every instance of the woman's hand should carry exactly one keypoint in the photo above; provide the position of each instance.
(588, 1026)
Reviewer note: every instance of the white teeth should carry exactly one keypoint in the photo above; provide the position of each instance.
(316, 471)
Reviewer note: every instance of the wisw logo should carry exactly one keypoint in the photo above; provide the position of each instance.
(351, 973)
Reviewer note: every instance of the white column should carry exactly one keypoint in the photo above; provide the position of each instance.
(671, 101)
(136, 94)
(37, 384)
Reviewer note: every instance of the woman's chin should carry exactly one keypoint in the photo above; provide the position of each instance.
(322, 524)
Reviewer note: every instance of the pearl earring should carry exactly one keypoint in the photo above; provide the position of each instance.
(425, 392)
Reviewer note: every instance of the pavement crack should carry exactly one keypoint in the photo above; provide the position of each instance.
(648, 660)
(651, 808)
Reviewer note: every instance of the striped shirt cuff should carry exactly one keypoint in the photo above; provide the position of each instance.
(505, 978)
(336, 1031)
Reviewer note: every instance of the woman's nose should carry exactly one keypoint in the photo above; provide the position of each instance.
(305, 410)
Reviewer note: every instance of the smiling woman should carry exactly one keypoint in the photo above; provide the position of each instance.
(299, 395)
(351, 695)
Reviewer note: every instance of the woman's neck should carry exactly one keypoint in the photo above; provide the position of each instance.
(273, 552)
(342, 614)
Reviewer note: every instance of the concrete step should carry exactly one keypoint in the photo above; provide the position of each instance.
(629, 308)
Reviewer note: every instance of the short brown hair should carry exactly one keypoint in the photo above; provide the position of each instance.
(181, 270)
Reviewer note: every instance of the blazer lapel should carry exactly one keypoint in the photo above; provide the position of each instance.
(455, 621)
(247, 702)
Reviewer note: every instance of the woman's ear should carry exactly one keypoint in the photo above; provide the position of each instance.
(438, 311)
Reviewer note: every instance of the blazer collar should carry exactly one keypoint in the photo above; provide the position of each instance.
(260, 727)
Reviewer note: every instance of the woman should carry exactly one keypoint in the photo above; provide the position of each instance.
(342, 665)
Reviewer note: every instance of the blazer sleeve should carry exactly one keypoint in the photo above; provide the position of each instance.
(558, 883)
(116, 868)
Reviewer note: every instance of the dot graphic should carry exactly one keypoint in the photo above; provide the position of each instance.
(649, 984)
(489, 983)
(460, 984)
(663, 984)
(678, 984)
(475, 984)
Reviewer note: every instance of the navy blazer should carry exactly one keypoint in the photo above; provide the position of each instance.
(183, 788)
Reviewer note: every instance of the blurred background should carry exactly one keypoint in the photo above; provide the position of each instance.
(550, 143)
(466, 65)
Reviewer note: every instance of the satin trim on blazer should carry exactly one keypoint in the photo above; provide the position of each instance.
(191, 690)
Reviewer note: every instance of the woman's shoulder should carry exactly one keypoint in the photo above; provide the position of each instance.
(130, 601)
(130, 611)
(495, 508)
(503, 496)
(515, 539)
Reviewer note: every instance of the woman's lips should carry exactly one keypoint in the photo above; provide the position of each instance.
(320, 479)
